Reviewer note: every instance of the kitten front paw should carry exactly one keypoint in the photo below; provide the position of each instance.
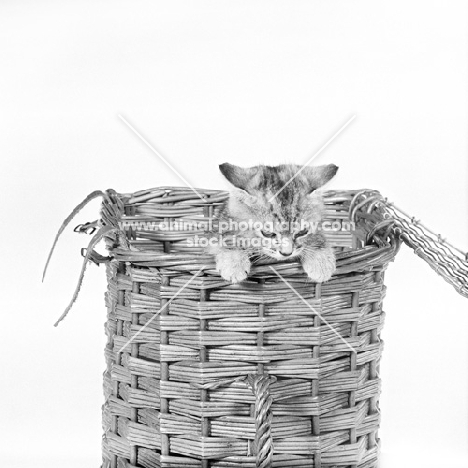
(233, 265)
(320, 266)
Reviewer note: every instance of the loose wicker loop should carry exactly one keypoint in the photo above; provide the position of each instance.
(87, 228)
(263, 444)
(386, 223)
(364, 211)
(94, 256)
(77, 209)
(107, 228)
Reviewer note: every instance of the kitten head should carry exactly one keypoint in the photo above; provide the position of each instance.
(281, 201)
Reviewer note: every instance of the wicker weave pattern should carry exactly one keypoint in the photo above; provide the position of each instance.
(176, 395)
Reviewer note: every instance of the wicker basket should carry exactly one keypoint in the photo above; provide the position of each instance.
(274, 371)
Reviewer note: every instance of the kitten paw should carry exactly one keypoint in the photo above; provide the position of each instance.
(233, 265)
(320, 266)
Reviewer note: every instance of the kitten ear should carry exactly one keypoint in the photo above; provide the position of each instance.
(319, 175)
(240, 177)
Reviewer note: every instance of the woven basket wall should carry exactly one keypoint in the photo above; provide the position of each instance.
(174, 396)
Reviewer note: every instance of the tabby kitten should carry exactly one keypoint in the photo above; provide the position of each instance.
(265, 216)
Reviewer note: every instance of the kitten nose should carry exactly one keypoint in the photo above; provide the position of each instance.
(286, 247)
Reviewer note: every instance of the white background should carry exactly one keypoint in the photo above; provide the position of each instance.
(208, 82)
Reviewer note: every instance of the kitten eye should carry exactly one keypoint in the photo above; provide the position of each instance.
(301, 233)
(268, 234)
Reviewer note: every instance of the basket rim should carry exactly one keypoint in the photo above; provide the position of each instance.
(362, 258)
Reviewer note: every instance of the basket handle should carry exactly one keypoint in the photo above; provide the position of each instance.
(445, 259)
(259, 384)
